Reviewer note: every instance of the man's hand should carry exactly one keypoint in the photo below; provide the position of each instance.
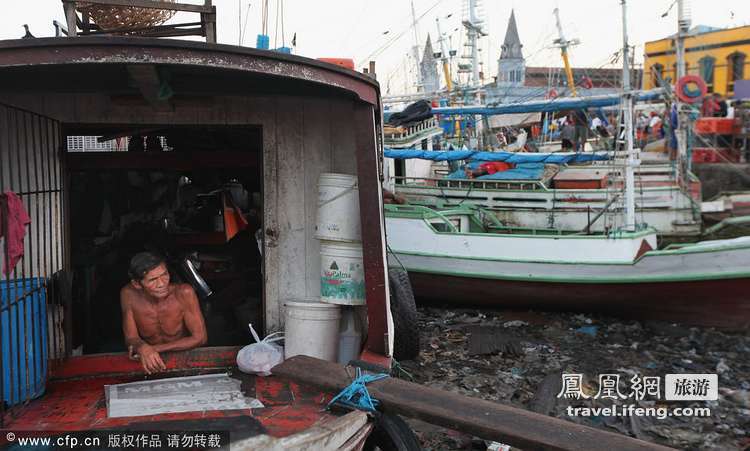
(150, 359)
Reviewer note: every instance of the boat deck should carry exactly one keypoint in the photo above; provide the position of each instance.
(75, 401)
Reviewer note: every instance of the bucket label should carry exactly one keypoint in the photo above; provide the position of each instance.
(343, 281)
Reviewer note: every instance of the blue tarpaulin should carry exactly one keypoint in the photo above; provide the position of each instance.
(508, 157)
(522, 171)
(559, 104)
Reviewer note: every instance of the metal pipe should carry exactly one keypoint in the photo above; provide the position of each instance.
(627, 105)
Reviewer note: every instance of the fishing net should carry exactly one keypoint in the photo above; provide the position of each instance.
(114, 18)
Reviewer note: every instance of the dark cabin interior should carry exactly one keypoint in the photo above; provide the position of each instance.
(192, 194)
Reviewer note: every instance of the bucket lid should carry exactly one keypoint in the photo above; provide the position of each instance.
(334, 178)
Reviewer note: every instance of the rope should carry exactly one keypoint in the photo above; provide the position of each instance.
(356, 395)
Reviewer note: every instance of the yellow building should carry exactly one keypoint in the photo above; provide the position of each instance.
(719, 56)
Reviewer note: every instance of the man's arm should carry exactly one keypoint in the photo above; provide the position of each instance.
(194, 322)
(149, 357)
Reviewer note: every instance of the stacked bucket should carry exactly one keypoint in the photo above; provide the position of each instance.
(313, 328)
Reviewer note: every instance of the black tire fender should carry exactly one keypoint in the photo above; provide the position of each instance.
(391, 433)
(404, 311)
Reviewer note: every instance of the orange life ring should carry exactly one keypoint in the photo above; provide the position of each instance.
(690, 96)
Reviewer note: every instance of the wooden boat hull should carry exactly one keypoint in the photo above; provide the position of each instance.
(720, 303)
(704, 283)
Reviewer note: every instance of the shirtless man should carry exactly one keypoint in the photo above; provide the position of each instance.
(158, 316)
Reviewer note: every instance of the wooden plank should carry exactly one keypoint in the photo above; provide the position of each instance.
(317, 154)
(94, 365)
(271, 309)
(152, 4)
(344, 145)
(184, 160)
(484, 419)
(328, 436)
(291, 209)
(380, 323)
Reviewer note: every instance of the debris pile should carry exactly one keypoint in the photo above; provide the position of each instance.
(519, 358)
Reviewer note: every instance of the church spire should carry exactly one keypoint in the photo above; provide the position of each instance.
(512, 44)
(429, 54)
(428, 68)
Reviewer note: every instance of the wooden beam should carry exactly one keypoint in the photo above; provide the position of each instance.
(373, 237)
(484, 419)
(71, 17)
(153, 4)
(209, 20)
(175, 160)
(329, 436)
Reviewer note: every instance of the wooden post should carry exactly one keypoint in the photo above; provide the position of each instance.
(70, 16)
(210, 21)
(379, 336)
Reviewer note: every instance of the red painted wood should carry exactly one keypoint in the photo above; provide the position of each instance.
(118, 363)
(376, 359)
(78, 404)
(373, 224)
(719, 303)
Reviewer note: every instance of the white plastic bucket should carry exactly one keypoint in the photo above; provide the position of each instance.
(338, 208)
(342, 274)
(311, 328)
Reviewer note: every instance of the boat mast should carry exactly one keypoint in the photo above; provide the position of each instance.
(444, 58)
(564, 44)
(683, 26)
(627, 104)
(415, 49)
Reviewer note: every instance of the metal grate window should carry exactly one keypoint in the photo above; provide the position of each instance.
(33, 289)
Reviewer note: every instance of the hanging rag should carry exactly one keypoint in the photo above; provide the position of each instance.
(13, 222)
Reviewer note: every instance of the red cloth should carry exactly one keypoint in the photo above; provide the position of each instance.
(495, 166)
(709, 107)
(13, 222)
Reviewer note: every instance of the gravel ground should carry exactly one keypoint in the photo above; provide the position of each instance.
(535, 349)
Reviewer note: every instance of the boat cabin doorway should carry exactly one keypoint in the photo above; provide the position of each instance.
(192, 194)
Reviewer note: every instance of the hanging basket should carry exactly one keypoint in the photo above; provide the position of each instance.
(123, 18)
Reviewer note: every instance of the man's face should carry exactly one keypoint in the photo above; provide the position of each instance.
(156, 282)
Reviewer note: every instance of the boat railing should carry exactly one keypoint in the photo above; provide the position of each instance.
(428, 127)
(426, 213)
(515, 185)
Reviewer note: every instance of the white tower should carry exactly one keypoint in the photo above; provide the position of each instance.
(511, 67)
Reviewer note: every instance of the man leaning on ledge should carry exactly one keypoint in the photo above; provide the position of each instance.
(158, 316)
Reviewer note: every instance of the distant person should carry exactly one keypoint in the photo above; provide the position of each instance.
(492, 167)
(598, 126)
(709, 107)
(157, 315)
(722, 108)
(654, 125)
(568, 133)
(581, 123)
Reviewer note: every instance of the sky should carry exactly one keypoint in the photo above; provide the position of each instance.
(381, 30)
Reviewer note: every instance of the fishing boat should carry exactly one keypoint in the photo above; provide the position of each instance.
(565, 191)
(467, 256)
